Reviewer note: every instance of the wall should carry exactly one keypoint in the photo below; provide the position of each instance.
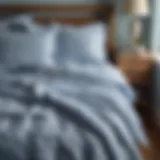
(123, 26)
(155, 27)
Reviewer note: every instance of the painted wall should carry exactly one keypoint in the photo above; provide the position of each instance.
(124, 27)
(155, 28)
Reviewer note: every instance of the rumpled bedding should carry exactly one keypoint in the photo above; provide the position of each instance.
(68, 113)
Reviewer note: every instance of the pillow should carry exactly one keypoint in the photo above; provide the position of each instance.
(28, 49)
(23, 18)
(82, 45)
(17, 23)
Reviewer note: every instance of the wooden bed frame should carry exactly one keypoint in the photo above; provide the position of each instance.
(67, 14)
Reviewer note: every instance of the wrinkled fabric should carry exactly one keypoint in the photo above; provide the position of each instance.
(68, 114)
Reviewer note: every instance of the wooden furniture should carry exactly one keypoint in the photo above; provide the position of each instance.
(138, 71)
(70, 14)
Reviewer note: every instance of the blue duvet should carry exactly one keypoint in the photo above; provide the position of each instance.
(68, 113)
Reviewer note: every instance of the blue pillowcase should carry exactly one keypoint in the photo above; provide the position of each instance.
(29, 46)
(82, 45)
(23, 43)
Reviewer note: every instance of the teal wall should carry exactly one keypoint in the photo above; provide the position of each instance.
(124, 27)
(155, 27)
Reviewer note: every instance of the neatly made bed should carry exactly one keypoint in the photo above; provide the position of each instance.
(65, 111)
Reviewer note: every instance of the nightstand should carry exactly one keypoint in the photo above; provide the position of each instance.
(138, 71)
(143, 73)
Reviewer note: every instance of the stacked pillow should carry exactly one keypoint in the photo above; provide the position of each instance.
(24, 43)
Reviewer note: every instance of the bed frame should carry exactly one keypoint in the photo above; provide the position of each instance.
(70, 14)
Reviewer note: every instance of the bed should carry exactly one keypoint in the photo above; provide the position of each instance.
(71, 112)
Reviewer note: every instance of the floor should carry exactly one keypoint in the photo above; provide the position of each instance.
(153, 132)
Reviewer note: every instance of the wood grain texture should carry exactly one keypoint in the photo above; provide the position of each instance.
(96, 12)
(55, 7)
(138, 70)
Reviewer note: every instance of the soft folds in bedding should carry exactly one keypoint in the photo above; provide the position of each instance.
(71, 109)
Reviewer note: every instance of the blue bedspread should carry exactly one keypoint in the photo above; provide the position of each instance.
(70, 113)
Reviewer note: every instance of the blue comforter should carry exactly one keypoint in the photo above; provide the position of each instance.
(70, 113)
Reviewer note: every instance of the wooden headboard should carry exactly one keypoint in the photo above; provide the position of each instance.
(70, 14)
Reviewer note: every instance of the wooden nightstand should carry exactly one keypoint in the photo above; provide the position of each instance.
(138, 71)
